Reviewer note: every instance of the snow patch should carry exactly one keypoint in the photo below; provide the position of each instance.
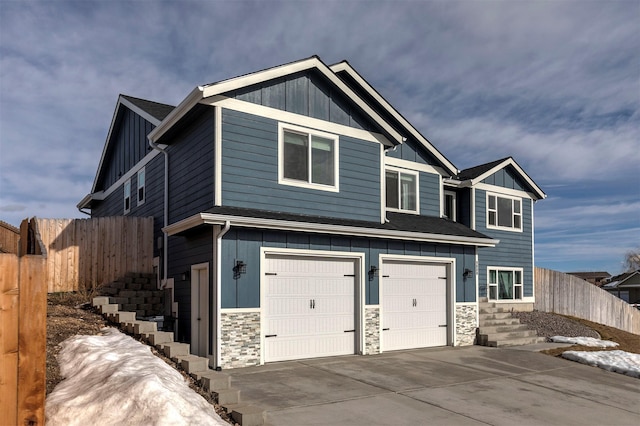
(585, 341)
(616, 361)
(113, 379)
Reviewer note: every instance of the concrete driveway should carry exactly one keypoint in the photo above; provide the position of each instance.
(460, 386)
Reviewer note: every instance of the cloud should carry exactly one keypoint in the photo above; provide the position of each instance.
(12, 208)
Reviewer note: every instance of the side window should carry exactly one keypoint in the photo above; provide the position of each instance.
(504, 212)
(449, 205)
(307, 158)
(141, 186)
(401, 190)
(505, 283)
(127, 196)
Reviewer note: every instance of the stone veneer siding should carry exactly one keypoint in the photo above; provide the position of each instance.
(466, 324)
(240, 339)
(372, 331)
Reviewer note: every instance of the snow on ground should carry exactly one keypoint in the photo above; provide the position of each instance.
(616, 361)
(585, 341)
(112, 379)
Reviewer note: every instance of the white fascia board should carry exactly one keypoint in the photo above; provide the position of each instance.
(539, 194)
(132, 107)
(505, 191)
(320, 228)
(176, 114)
(84, 203)
(346, 67)
(313, 62)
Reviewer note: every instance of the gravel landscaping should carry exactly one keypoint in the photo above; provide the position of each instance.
(548, 325)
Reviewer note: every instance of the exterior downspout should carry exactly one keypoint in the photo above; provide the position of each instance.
(223, 231)
(165, 260)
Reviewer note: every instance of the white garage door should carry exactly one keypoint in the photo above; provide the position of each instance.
(414, 305)
(309, 307)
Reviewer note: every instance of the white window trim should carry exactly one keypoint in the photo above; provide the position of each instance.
(408, 172)
(336, 155)
(455, 204)
(503, 228)
(144, 186)
(127, 183)
(507, 269)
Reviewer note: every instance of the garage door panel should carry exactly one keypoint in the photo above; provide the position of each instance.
(414, 305)
(309, 303)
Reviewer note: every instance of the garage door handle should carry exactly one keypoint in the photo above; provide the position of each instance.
(442, 325)
(270, 335)
(349, 331)
(385, 329)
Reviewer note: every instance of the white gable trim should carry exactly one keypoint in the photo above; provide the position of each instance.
(505, 191)
(203, 92)
(539, 194)
(346, 67)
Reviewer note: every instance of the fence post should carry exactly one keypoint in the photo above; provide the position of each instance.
(9, 294)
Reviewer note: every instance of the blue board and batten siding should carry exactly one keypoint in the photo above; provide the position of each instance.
(250, 173)
(127, 147)
(506, 178)
(244, 244)
(514, 250)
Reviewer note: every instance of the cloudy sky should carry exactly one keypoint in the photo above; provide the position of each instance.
(555, 84)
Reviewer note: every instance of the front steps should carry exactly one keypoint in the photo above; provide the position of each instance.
(497, 328)
(215, 382)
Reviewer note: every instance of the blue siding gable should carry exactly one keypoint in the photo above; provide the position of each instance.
(506, 178)
(250, 173)
(305, 93)
(411, 150)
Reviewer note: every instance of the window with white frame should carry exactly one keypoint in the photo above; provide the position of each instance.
(504, 212)
(141, 186)
(401, 190)
(505, 283)
(449, 205)
(308, 158)
(127, 196)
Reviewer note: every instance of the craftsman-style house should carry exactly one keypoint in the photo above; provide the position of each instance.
(299, 215)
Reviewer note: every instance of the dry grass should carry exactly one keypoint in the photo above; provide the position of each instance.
(627, 342)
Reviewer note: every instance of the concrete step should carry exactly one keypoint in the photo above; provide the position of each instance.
(248, 415)
(508, 335)
(493, 310)
(214, 381)
(499, 322)
(192, 363)
(124, 316)
(516, 342)
(175, 349)
(104, 309)
(100, 300)
(227, 396)
(503, 328)
(144, 327)
(155, 338)
(495, 315)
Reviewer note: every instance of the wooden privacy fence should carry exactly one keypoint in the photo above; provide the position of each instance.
(568, 295)
(23, 339)
(85, 253)
(9, 237)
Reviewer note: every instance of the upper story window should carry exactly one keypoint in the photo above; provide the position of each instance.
(504, 212)
(401, 190)
(449, 205)
(308, 158)
(141, 186)
(127, 196)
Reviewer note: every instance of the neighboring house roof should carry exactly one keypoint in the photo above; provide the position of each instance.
(399, 226)
(626, 280)
(477, 174)
(594, 276)
(210, 90)
(153, 112)
(345, 67)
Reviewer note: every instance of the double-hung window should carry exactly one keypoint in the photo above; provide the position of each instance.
(505, 283)
(308, 158)
(141, 186)
(449, 205)
(127, 196)
(504, 212)
(401, 190)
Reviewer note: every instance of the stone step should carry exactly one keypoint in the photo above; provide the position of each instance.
(175, 349)
(100, 300)
(502, 328)
(193, 363)
(155, 338)
(515, 342)
(144, 327)
(248, 415)
(227, 396)
(213, 381)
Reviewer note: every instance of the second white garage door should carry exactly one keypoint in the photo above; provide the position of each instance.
(413, 305)
(309, 307)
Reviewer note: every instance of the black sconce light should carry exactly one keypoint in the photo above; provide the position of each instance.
(186, 275)
(239, 269)
(467, 273)
(373, 272)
